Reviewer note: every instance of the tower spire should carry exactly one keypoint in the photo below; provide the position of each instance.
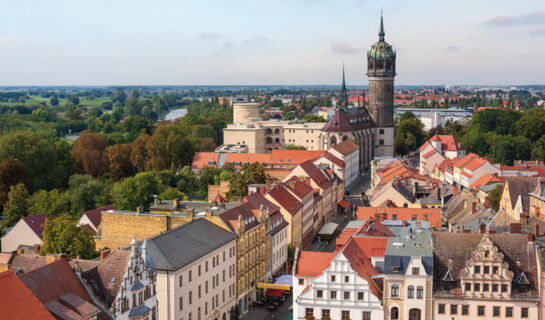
(381, 31)
(343, 99)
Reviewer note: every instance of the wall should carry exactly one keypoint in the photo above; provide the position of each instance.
(20, 234)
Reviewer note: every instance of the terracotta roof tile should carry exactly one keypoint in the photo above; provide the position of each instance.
(432, 215)
(95, 215)
(247, 158)
(36, 223)
(294, 157)
(17, 301)
(313, 263)
(334, 159)
(486, 179)
(316, 174)
(285, 198)
(346, 147)
(202, 159)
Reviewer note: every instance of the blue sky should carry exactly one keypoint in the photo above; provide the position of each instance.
(180, 42)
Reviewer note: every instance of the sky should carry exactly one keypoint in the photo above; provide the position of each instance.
(276, 42)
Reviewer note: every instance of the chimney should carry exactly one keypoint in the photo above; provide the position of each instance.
(37, 248)
(190, 213)
(291, 183)
(482, 228)
(473, 207)
(515, 228)
(531, 237)
(536, 230)
(213, 203)
(176, 203)
(104, 254)
(307, 181)
(52, 257)
(438, 193)
(458, 229)
(208, 214)
(155, 199)
(140, 209)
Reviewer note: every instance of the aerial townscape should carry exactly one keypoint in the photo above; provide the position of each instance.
(268, 201)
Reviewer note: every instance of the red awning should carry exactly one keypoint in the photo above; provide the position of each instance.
(274, 293)
(345, 204)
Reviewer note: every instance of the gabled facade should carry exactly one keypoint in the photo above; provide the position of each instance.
(28, 231)
(515, 199)
(485, 276)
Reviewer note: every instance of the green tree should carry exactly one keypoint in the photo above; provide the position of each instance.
(134, 126)
(62, 235)
(249, 174)
(136, 191)
(495, 196)
(85, 193)
(17, 206)
(52, 203)
(294, 147)
(409, 136)
(226, 175)
(169, 148)
(531, 124)
(12, 172)
(54, 101)
(206, 178)
(187, 181)
(172, 193)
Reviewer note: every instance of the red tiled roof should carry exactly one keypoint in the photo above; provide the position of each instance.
(313, 263)
(285, 198)
(294, 157)
(465, 174)
(247, 157)
(17, 301)
(486, 179)
(432, 215)
(315, 174)
(36, 223)
(374, 228)
(346, 147)
(201, 159)
(461, 162)
(256, 200)
(300, 189)
(53, 280)
(345, 204)
(448, 143)
(246, 210)
(334, 159)
(476, 163)
(429, 154)
(341, 120)
(95, 215)
(220, 199)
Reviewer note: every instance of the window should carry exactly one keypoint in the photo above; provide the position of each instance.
(480, 310)
(199, 292)
(360, 296)
(453, 309)
(477, 269)
(189, 316)
(419, 292)
(468, 286)
(486, 269)
(524, 312)
(477, 287)
(394, 313)
(441, 308)
(494, 287)
(333, 295)
(301, 282)
(325, 313)
(309, 312)
(181, 281)
(495, 270)
(503, 288)
(332, 278)
(189, 275)
(395, 268)
(509, 312)
(205, 308)
(199, 271)
(190, 297)
(345, 314)
(465, 310)
(206, 264)
(416, 270)
(381, 131)
(381, 141)
(366, 315)
(395, 290)
(346, 278)
(410, 292)
(319, 294)
(181, 303)
(486, 287)
(496, 311)
(346, 295)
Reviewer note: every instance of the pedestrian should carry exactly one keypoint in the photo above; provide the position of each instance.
(274, 315)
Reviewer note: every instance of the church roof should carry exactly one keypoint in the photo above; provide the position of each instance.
(353, 119)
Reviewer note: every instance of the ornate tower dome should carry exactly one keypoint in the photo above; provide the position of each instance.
(381, 59)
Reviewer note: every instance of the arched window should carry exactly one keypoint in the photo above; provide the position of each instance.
(276, 131)
(394, 313)
(268, 131)
(345, 138)
(415, 314)
(268, 140)
(277, 140)
(333, 141)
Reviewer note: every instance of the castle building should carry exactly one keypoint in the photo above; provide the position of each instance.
(372, 128)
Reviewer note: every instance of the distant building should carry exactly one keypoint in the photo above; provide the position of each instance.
(28, 231)
(432, 118)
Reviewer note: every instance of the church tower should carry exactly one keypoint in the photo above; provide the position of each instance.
(381, 70)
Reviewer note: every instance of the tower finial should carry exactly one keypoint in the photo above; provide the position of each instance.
(381, 31)
(343, 99)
